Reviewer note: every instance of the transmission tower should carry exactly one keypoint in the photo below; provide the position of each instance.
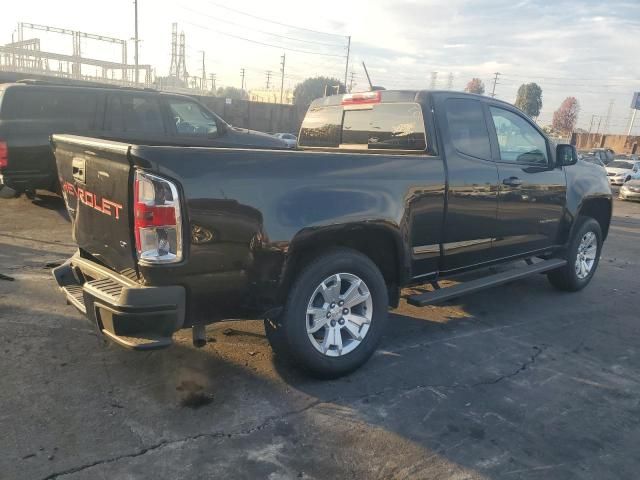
(182, 64)
(434, 80)
(268, 73)
(352, 75)
(173, 70)
(450, 81)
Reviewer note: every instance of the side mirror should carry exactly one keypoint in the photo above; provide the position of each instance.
(566, 155)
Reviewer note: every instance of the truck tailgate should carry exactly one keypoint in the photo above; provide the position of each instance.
(95, 177)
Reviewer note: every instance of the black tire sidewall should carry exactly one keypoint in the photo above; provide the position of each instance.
(294, 317)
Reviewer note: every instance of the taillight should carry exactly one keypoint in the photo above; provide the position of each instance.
(4, 154)
(362, 98)
(157, 219)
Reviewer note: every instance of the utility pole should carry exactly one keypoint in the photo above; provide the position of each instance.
(608, 118)
(495, 82)
(135, 56)
(434, 80)
(204, 74)
(633, 120)
(282, 76)
(242, 76)
(346, 68)
(268, 78)
(212, 79)
(366, 72)
(353, 74)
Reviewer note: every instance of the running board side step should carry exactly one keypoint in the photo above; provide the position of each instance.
(443, 294)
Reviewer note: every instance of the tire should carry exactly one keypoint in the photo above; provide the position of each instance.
(570, 278)
(333, 349)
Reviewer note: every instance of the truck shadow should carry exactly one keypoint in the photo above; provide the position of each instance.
(51, 201)
(452, 389)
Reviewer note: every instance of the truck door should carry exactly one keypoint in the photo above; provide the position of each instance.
(532, 191)
(471, 211)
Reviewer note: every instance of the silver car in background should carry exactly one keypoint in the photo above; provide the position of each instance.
(630, 190)
(290, 139)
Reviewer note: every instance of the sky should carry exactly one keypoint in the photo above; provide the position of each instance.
(582, 48)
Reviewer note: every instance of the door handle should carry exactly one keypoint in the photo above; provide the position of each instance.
(512, 181)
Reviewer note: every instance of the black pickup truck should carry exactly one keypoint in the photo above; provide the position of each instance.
(389, 189)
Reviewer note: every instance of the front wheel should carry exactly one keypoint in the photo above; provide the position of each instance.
(583, 255)
(334, 316)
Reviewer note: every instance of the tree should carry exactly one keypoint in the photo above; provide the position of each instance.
(475, 85)
(233, 93)
(565, 118)
(312, 88)
(529, 99)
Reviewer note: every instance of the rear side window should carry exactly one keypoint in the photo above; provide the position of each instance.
(321, 127)
(133, 114)
(467, 127)
(67, 106)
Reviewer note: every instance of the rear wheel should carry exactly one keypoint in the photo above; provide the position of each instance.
(583, 255)
(334, 316)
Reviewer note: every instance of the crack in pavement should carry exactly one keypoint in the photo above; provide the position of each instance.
(409, 389)
(277, 418)
(214, 435)
(522, 368)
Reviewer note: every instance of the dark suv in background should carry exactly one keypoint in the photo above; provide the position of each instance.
(31, 111)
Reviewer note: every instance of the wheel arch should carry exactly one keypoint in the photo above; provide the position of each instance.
(598, 208)
(381, 243)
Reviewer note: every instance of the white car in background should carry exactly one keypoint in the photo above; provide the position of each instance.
(630, 190)
(290, 139)
(622, 170)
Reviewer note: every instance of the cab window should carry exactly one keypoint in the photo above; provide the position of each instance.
(321, 127)
(386, 126)
(518, 141)
(191, 119)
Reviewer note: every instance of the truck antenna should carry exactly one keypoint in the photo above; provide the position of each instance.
(367, 74)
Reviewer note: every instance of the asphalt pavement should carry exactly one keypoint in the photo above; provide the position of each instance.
(520, 381)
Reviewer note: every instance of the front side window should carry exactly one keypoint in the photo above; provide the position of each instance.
(192, 119)
(386, 126)
(518, 141)
(467, 127)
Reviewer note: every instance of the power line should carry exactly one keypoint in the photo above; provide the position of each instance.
(229, 22)
(272, 21)
(263, 43)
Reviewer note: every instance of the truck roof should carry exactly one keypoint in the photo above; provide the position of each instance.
(391, 96)
(53, 85)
